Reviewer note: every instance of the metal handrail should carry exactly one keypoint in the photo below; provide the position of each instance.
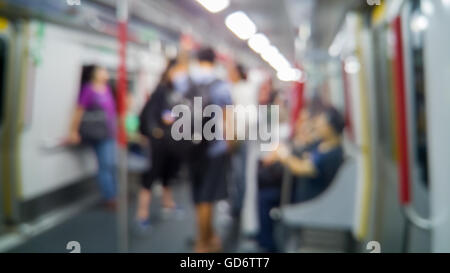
(416, 219)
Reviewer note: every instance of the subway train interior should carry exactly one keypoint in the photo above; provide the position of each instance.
(357, 97)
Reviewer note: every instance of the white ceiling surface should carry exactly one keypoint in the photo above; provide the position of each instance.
(279, 20)
(272, 19)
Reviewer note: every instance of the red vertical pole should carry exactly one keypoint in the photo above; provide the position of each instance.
(400, 103)
(122, 217)
(297, 103)
(122, 81)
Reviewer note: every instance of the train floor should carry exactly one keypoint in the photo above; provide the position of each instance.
(96, 230)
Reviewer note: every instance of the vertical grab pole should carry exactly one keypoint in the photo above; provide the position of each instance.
(122, 219)
(402, 135)
(400, 99)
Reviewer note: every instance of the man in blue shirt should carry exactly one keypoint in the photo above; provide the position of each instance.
(313, 165)
(208, 167)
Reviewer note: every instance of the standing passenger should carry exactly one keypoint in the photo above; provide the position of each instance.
(94, 123)
(208, 165)
(155, 124)
(243, 95)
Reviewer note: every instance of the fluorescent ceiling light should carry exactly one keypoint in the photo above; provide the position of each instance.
(304, 31)
(214, 5)
(290, 74)
(269, 53)
(427, 7)
(279, 62)
(239, 23)
(352, 65)
(258, 42)
(334, 51)
(419, 23)
(337, 45)
(275, 58)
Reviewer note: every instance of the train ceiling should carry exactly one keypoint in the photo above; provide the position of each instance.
(287, 23)
(282, 20)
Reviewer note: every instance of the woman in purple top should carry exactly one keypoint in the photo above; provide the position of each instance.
(95, 92)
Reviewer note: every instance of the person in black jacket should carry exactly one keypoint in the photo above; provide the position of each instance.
(313, 162)
(155, 123)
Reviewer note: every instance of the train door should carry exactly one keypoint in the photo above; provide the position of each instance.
(415, 97)
(3, 57)
(7, 113)
(437, 84)
(358, 86)
(402, 193)
(388, 219)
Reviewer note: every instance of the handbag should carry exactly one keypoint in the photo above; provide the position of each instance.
(94, 125)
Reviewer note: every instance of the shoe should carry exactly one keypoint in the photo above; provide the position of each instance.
(177, 212)
(214, 246)
(110, 205)
(143, 227)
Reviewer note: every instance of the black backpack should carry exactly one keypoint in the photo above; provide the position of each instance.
(190, 148)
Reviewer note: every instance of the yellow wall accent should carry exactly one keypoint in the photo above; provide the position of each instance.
(379, 13)
(13, 121)
(24, 61)
(4, 23)
(366, 148)
(5, 140)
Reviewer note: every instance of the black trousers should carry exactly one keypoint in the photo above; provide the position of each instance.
(165, 163)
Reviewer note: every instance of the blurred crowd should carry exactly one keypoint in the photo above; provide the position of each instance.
(233, 170)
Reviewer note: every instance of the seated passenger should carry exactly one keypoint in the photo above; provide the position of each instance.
(315, 170)
(313, 161)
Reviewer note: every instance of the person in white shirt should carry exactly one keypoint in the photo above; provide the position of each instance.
(243, 93)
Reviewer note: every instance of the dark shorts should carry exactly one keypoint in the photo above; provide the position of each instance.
(165, 164)
(209, 178)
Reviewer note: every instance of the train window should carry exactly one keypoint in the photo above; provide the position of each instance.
(3, 54)
(418, 100)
